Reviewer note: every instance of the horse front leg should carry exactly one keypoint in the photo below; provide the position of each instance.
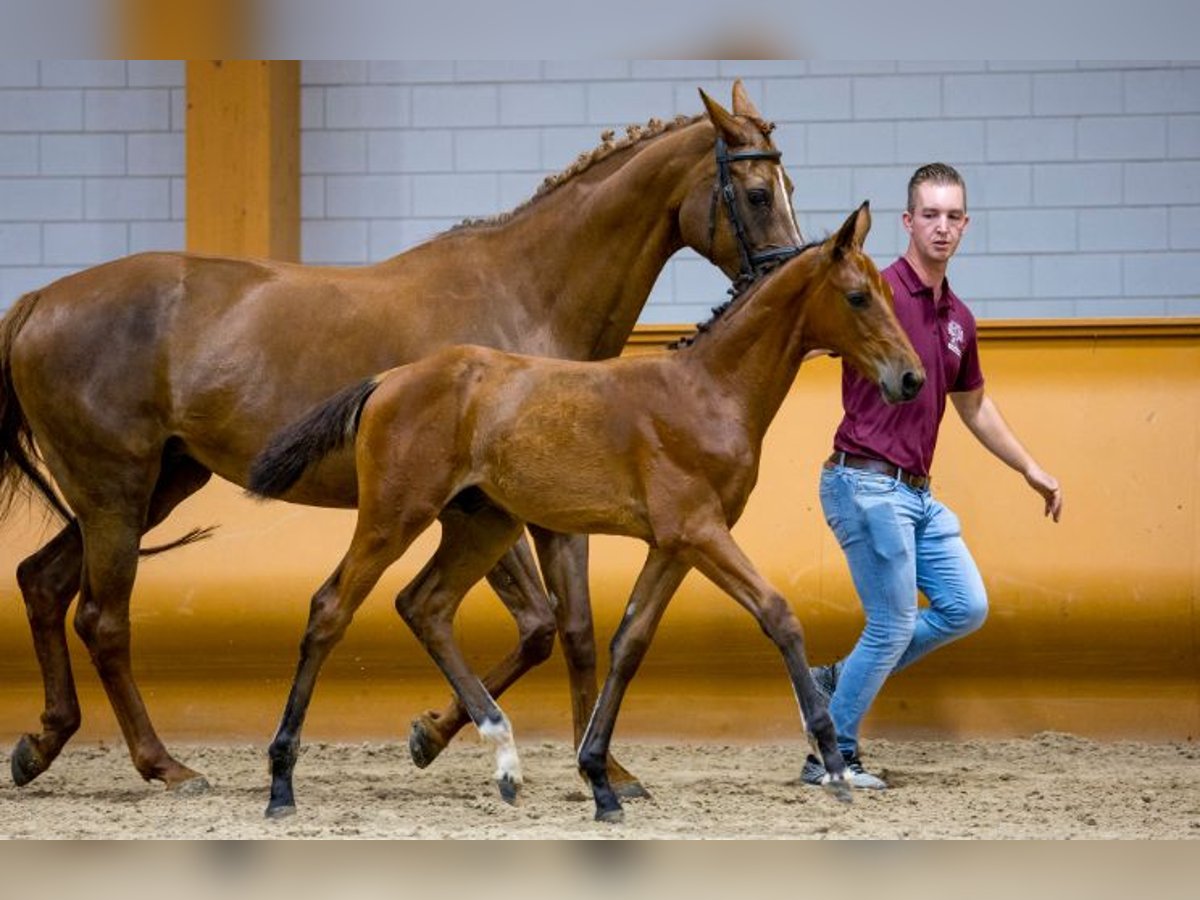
(720, 559)
(515, 580)
(659, 579)
(564, 561)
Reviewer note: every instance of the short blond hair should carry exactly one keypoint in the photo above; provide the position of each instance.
(934, 173)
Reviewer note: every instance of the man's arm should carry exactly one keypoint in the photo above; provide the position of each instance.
(981, 416)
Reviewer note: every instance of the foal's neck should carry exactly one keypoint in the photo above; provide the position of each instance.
(754, 350)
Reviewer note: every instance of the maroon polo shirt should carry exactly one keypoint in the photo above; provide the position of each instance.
(943, 335)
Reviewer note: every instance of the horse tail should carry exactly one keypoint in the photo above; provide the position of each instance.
(19, 457)
(327, 427)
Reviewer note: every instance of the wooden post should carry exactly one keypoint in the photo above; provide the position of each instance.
(243, 158)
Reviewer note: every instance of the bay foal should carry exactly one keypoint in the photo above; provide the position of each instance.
(662, 447)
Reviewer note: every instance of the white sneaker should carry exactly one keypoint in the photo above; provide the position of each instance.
(814, 773)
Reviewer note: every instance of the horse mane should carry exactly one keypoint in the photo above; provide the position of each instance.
(736, 293)
(634, 134)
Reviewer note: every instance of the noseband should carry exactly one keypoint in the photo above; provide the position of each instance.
(753, 264)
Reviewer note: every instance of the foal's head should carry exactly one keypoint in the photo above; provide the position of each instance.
(850, 311)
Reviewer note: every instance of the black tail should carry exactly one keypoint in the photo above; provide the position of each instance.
(19, 472)
(324, 429)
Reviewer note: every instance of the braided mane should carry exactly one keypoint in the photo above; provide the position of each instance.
(740, 289)
(634, 134)
(609, 144)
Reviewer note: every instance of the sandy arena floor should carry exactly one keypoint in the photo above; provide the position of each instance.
(1048, 786)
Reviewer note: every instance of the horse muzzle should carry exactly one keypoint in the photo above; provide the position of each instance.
(900, 386)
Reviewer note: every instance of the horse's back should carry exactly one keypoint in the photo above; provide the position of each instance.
(135, 289)
(550, 440)
(118, 314)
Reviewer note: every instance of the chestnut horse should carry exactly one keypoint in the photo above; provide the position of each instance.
(662, 447)
(138, 379)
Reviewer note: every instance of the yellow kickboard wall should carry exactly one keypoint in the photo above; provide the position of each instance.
(1094, 625)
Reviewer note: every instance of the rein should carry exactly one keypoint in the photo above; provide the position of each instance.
(753, 263)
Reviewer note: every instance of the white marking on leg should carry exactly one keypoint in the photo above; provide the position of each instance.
(808, 735)
(587, 732)
(508, 764)
(800, 708)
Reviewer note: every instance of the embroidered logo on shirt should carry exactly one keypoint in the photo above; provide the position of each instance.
(957, 338)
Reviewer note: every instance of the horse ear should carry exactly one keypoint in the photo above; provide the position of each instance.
(853, 232)
(742, 105)
(721, 118)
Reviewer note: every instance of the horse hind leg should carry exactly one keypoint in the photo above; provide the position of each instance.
(515, 580)
(102, 621)
(111, 537)
(180, 477)
(428, 607)
(49, 580)
(564, 560)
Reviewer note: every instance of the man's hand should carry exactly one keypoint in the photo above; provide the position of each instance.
(1046, 485)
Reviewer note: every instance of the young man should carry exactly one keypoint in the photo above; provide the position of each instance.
(897, 537)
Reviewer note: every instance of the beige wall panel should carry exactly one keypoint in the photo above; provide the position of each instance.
(1095, 625)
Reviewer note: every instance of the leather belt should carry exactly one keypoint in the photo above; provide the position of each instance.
(870, 464)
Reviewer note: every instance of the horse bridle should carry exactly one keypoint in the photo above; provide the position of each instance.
(753, 264)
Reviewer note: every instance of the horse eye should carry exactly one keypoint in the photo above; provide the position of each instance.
(858, 299)
(759, 197)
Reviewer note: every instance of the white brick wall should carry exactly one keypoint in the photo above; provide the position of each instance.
(91, 165)
(1083, 178)
(963, 140)
(1077, 184)
(1119, 137)
(987, 95)
(41, 110)
(18, 73)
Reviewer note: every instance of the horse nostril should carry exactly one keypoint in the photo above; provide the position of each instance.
(910, 384)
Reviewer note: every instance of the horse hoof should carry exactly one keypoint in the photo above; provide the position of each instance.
(509, 789)
(611, 816)
(27, 761)
(632, 790)
(839, 789)
(424, 743)
(190, 787)
(280, 811)
(624, 783)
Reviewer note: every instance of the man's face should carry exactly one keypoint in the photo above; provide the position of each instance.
(937, 221)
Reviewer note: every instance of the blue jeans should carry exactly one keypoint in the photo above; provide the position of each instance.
(897, 540)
